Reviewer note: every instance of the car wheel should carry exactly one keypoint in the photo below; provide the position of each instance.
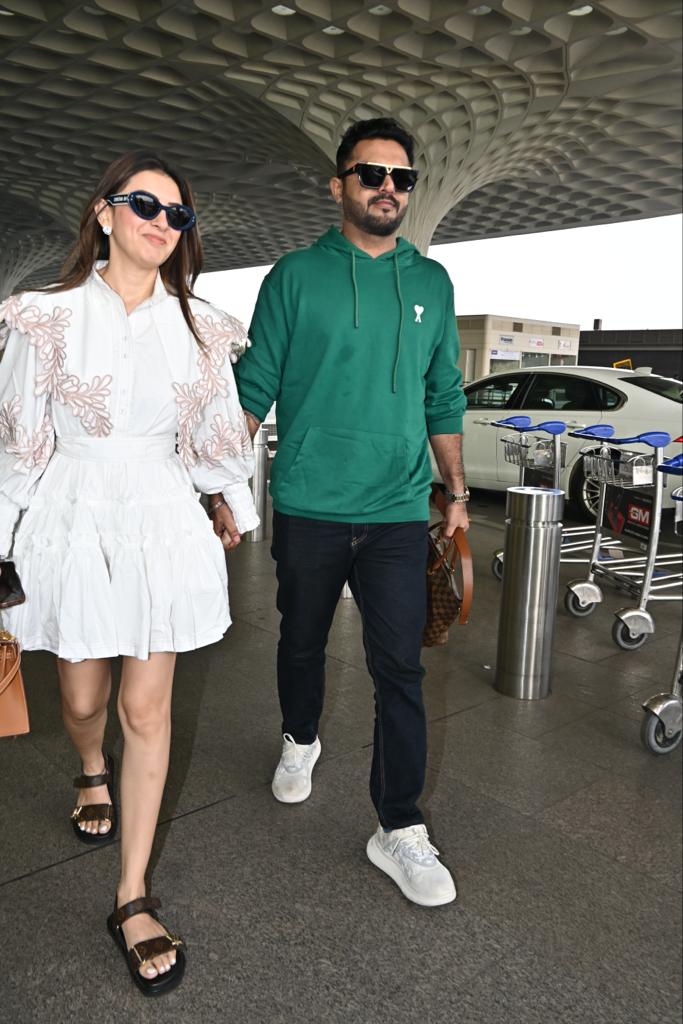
(584, 494)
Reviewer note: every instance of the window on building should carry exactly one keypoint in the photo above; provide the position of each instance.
(516, 326)
(557, 332)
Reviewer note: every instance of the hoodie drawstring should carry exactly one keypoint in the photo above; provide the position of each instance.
(356, 317)
(400, 323)
(356, 321)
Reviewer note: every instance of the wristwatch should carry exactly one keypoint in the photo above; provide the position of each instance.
(457, 499)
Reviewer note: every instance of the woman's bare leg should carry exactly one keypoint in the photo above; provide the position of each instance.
(85, 688)
(145, 715)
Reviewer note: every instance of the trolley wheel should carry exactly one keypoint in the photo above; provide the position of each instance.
(654, 738)
(497, 567)
(623, 638)
(575, 607)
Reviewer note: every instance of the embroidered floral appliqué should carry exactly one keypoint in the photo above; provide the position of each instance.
(31, 450)
(45, 331)
(222, 339)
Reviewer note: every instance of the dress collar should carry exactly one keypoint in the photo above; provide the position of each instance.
(158, 295)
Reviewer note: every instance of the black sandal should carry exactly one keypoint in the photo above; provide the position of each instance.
(141, 952)
(96, 812)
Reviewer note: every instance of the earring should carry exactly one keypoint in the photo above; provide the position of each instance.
(107, 229)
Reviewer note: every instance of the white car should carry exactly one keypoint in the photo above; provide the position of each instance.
(632, 401)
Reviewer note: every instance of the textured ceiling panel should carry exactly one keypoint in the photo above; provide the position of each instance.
(529, 114)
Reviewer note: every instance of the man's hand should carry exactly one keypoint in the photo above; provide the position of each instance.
(224, 526)
(455, 515)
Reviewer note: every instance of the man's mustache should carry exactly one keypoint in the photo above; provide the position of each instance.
(384, 197)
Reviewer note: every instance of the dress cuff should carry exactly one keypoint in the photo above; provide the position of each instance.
(241, 503)
(9, 513)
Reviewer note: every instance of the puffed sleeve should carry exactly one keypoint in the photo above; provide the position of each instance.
(26, 432)
(213, 438)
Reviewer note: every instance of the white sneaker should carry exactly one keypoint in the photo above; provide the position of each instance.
(407, 856)
(292, 779)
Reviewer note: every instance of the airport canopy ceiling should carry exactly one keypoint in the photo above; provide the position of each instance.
(528, 114)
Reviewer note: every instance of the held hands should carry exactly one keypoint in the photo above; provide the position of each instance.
(224, 525)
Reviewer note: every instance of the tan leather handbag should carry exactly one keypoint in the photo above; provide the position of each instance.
(449, 585)
(13, 709)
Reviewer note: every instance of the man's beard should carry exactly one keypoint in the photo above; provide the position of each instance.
(365, 219)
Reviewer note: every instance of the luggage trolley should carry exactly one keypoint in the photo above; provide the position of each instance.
(647, 577)
(548, 455)
(662, 726)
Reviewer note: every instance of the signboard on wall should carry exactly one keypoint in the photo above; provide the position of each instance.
(537, 342)
(505, 339)
(497, 353)
(564, 345)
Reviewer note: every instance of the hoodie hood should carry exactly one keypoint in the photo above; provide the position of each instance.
(404, 252)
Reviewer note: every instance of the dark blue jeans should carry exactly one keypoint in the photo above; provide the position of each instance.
(385, 565)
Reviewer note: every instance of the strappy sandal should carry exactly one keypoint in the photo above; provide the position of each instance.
(96, 812)
(139, 954)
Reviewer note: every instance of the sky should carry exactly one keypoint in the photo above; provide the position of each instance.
(629, 275)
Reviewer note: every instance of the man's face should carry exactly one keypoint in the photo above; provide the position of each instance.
(374, 211)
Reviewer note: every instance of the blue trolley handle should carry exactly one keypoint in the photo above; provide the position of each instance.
(598, 432)
(524, 424)
(673, 466)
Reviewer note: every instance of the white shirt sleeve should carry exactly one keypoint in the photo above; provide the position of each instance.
(213, 438)
(27, 434)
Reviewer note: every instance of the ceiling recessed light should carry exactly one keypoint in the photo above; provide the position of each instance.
(332, 30)
(481, 9)
(523, 31)
(379, 10)
(617, 31)
(282, 10)
(579, 12)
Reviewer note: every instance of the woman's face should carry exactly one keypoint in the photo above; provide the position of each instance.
(145, 243)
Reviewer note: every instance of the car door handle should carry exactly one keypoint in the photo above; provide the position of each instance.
(484, 423)
(575, 425)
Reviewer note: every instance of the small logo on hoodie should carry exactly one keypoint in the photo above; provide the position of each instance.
(419, 310)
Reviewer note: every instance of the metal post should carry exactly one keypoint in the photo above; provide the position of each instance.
(533, 541)
(259, 482)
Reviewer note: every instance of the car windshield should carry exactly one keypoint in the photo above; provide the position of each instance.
(664, 386)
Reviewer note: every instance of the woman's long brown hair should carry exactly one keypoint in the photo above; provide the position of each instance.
(181, 269)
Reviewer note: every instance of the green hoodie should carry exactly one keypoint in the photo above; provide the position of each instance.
(360, 355)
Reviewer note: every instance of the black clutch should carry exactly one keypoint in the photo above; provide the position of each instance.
(11, 590)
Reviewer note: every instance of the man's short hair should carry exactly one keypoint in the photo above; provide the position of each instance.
(375, 128)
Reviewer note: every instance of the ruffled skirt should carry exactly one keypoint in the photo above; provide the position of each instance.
(117, 556)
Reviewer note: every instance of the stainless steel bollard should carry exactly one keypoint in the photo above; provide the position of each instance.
(533, 539)
(259, 481)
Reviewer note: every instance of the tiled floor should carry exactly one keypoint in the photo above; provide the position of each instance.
(562, 831)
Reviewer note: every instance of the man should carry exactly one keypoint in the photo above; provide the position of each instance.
(356, 340)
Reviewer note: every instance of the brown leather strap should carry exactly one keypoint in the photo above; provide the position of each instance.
(467, 569)
(12, 672)
(458, 547)
(141, 905)
(141, 952)
(93, 812)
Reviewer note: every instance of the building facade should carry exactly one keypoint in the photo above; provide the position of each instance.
(491, 344)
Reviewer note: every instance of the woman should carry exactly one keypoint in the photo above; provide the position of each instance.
(117, 406)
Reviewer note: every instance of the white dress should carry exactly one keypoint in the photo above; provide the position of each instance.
(110, 425)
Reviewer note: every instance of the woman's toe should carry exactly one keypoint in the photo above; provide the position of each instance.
(104, 826)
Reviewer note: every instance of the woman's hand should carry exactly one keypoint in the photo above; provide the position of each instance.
(224, 525)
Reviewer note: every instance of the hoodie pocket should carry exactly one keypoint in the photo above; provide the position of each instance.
(344, 473)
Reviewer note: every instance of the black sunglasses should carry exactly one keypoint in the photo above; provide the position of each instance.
(373, 176)
(147, 206)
